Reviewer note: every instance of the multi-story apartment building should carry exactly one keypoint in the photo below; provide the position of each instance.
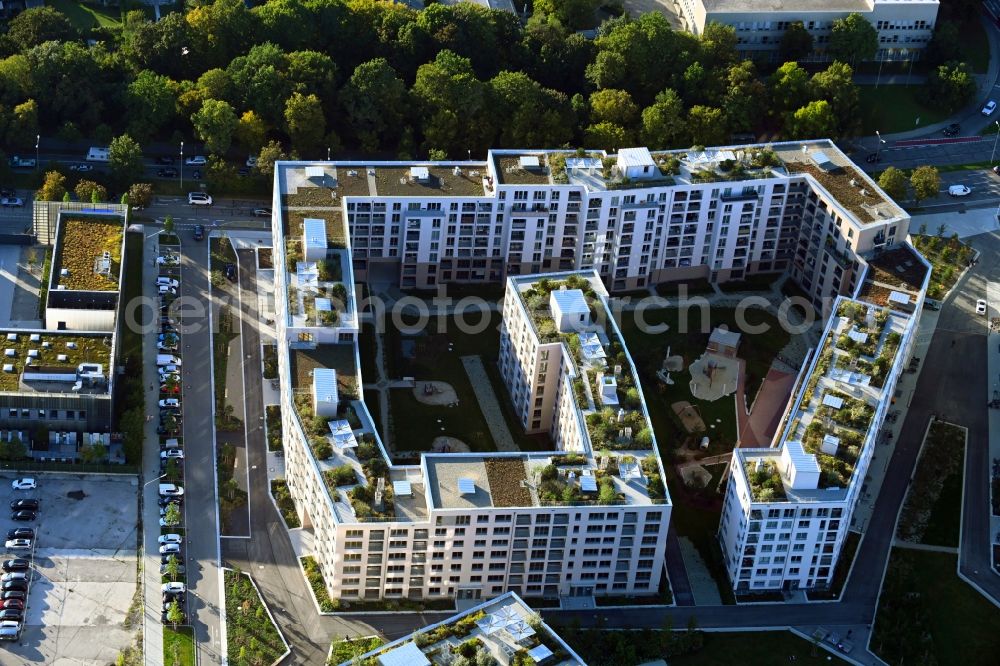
(904, 27)
(566, 522)
(505, 627)
(788, 508)
(57, 375)
(636, 218)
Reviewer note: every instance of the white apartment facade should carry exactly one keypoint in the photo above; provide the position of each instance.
(465, 526)
(526, 212)
(904, 27)
(788, 508)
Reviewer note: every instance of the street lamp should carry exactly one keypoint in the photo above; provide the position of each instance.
(327, 154)
(997, 123)
(38, 140)
(878, 146)
(182, 166)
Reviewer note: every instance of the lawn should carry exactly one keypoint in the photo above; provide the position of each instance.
(427, 356)
(927, 615)
(894, 109)
(279, 491)
(178, 646)
(82, 242)
(349, 648)
(84, 16)
(367, 350)
(930, 514)
(975, 45)
(231, 496)
(253, 637)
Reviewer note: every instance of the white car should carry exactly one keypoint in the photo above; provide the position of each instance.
(170, 549)
(981, 307)
(199, 199)
(170, 402)
(164, 345)
(990, 107)
(959, 190)
(82, 168)
(176, 454)
(11, 202)
(167, 260)
(24, 484)
(171, 538)
(167, 282)
(170, 490)
(14, 575)
(174, 588)
(197, 160)
(18, 544)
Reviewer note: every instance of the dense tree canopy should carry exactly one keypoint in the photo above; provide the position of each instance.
(388, 78)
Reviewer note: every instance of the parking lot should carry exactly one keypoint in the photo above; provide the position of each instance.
(85, 574)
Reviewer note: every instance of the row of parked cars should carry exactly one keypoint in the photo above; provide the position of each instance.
(15, 581)
(171, 490)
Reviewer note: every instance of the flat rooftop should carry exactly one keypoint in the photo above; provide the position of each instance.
(44, 353)
(340, 357)
(799, 6)
(444, 474)
(900, 269)
(89, 251)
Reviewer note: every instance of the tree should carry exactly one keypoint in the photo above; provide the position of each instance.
(251, 132)
(945, 45)
(270, 154)
(37, 26)
(789, 88)
(796, 43)
(814, 120)
(607, 70)
(836, 85)
(125, 159)
(305, 121)
(454, 106)
(53, 187)
(707, 126)
(375, 101)
(605, 135)
(745, 99)
(214, 124)
(173, 517)
(168, 224)
(926, 182)
(575, 14)
(86, 190)
(534, 116)
(140, 195)
(13, 449)
(174, 613)
(150, 101)
(950, 86)
(92, 454)
(23, 125)
(853, 38)
(663, 121)
(893, 182)
(613, 106)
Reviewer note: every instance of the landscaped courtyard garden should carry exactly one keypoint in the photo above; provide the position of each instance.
(253, 637)
(948, 258)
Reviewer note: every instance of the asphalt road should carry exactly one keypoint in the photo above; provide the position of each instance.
(200, 505)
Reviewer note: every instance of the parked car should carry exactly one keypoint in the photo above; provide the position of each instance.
(959, 190)
(167, 346)
(170, 549)
(14, 575)
(170, 403)
(21, 533)
(19, 585)
(81, 168)
(17, 564)
(981, 307)
(199, 229)
(18, 162)
(174, 588)
(24, 483)
(169, 172)
(11, 614)
(11, 202)
(172, 454)
(164, 501)
(199, 199)
(12, 594)
(23, 515)
(952, 130)
(166, 159)
(12, 603)
(163, 281)
(990, 107)
(262, 212)
(171, 490)
(171, 538)
(181, 570)
(197, 160)
(29, 503)
(169, 369)
(167, 260)
(230, 271)
(18, 544)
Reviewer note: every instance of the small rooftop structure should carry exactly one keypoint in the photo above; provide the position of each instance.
(407, 654)
(858, 336)
(342, 434)
(420, 174)
(324, 392)
(591, 348)
(899, 298)
(723, 341)
(830, 444)
(821, 160)
(323, 304)
(402, 488)
(637, 163)
(569, 309)
(833, 401)
(314, 238)
(800, 470)
(530, 162)
(466, 486)
(315, 173)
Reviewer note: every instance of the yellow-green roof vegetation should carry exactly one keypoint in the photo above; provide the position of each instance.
(81, 243)
(509, 171)
(89, 349)
(393, 181)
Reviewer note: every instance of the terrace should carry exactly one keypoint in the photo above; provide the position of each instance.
(720, 165)
(47, 362)
(88, 253)
(522, 169)
(503, 629)
(430, 181)
(898, 270)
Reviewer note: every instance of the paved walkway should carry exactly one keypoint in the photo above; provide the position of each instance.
(909, 545)
(702, 584)
(487, 400)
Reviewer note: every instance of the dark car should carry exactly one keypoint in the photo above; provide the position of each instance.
(180, 569)
(196, 175)
(169, 172)
(230, 270)
(199, 232)
(169, 597)
(165, 159)
(12, 594)
(873, 158)
(952, 130)
(11, 614)
(23, 515)
(21, 533)
(17, 564)
(7, 192)
(19, 585)
(20, 504)
(164, 501)
(17, 604)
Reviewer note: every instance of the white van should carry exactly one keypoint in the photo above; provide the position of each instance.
(97, 154)
(170, 490)
(167, 359)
